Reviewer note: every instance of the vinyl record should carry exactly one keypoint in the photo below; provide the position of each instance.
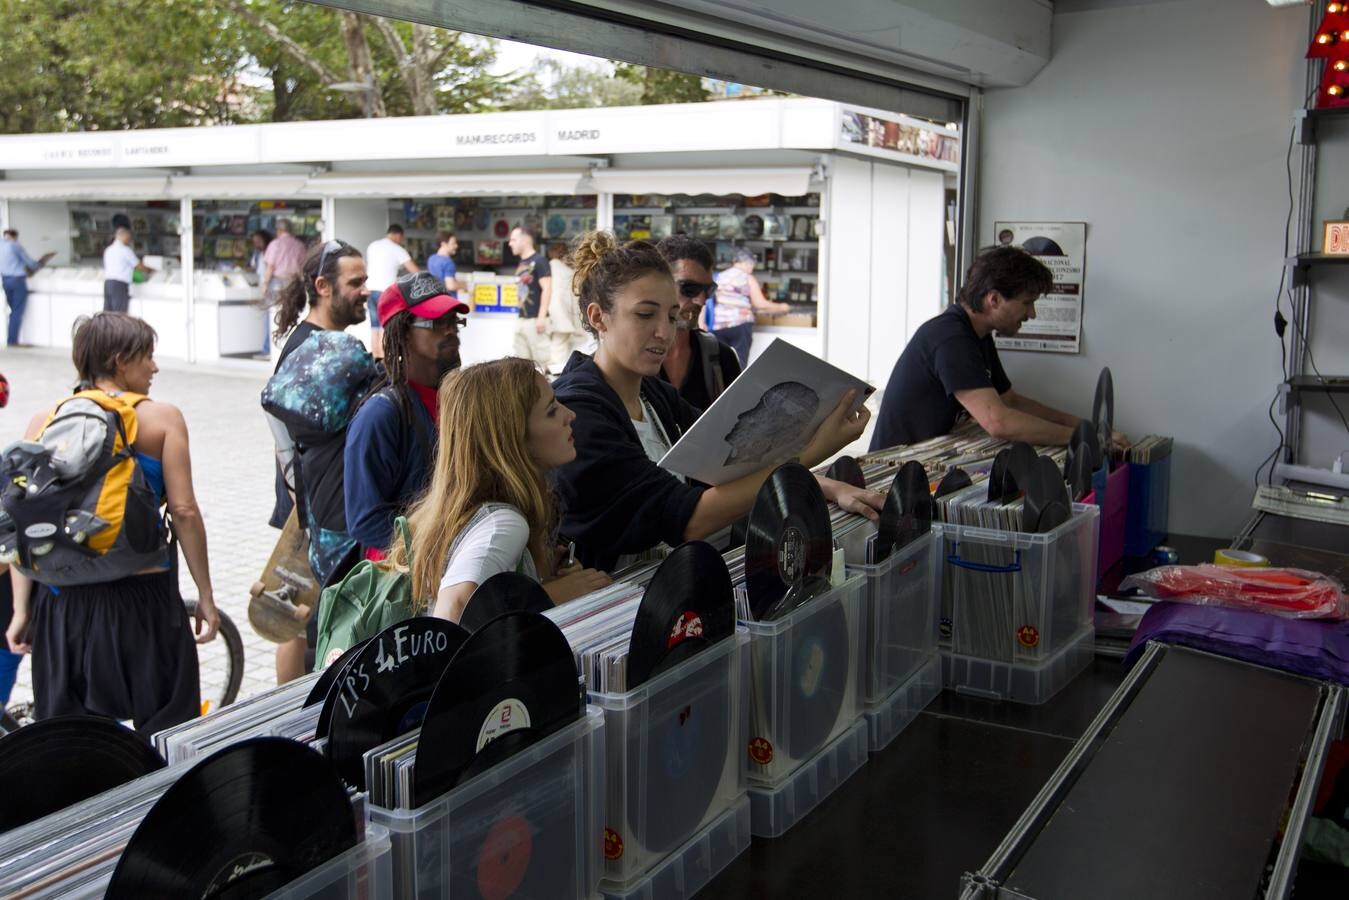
(689, 605)
(1085, 443)
(1103, 410)
(502, 593)
(387, 688)
(1077, 475)
(55, 763)
(789, 547)
(846, 470)
(908, 511)
(753, 227)
(325, 689)
(240, 824)
(684, 751)
(1047, 504)
(516, 673)
(817, 680)
(502, 228)
(1005, 484)
(954, 480)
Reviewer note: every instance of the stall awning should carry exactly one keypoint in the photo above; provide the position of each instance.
(787, 181)
(438, 184)
(86, 189)
(208, 187)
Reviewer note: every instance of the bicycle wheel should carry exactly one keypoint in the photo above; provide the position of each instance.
(221, 662)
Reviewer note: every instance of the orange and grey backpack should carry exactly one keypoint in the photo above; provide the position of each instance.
(75, 505)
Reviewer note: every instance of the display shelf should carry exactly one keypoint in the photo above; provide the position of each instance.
(1303, 263)
(1330, 383)
(1310, 120)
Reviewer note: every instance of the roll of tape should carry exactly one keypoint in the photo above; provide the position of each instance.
(1230, 557)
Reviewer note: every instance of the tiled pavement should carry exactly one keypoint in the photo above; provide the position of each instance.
(232, 473)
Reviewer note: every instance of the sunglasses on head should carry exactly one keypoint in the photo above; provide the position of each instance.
(333, 246)
(691, 289)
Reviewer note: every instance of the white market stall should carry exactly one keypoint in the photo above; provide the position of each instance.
(849, 211)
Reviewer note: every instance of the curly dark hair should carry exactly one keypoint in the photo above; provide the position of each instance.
(680, 246)
(604, 267)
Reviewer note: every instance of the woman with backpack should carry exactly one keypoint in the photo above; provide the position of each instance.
(489, 508)
(123, 648)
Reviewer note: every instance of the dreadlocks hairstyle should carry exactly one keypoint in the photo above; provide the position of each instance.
(301, 291)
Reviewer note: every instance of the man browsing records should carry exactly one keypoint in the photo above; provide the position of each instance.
(951, 367)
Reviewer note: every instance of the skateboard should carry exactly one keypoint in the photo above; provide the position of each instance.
(286, 595)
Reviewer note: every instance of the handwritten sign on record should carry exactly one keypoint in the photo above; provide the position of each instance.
(1336, 241)
(392, 649)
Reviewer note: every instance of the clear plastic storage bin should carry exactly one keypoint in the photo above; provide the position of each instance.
(901, 618)
(528, 828)
(1032, 683)
(689, 869)
(774, 810)
(364, 871)
(886, 720)
(1015, 597)
(805, 681)
(673, 758)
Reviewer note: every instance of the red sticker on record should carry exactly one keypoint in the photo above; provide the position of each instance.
(1028, 635)
(761, 751)
(613, 844)
(908, 567)
(689, 625)
(504, 858)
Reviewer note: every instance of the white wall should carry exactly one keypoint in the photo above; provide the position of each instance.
(359, 222)
(1164, 127)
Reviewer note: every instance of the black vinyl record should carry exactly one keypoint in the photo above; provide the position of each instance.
(846, 470)
(502, 593)
(1085, 444)
(1047, 503)
(1103, 409)
(688, 605)
(516, 673)
(387, 688)
(1018, 466)
(954, 480)
(1077, 474)
(326, 687)
(789, 547)
(908, 512)
(55, 763)
(240, 824)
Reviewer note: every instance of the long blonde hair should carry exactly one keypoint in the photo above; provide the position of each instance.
(482, 458)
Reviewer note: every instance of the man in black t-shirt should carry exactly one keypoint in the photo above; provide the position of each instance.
(698, 363)
(535, 292)
(951, 366)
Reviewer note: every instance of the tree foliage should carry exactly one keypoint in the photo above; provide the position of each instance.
(663, 85)
(550, 84)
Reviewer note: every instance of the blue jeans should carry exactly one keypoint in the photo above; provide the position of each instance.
(9, 671)
(372, 307)
(739, 337)
(16, 292)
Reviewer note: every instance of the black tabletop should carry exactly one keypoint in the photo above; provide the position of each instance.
(929, 807)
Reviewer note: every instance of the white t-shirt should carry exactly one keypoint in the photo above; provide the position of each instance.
(119, 261)
(652, 434)
(495, 541)
(383, 259)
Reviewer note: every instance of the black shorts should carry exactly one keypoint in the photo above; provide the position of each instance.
(122, 650)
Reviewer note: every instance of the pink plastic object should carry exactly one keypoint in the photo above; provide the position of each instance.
(1114, 516)
(1294, 593)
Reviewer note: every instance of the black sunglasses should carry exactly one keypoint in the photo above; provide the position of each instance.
(691, 289)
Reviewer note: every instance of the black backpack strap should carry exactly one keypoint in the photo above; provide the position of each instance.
(713, 378)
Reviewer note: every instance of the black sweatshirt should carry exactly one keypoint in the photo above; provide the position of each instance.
(615, 500)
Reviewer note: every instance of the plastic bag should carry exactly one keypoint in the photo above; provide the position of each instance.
(1294, 593)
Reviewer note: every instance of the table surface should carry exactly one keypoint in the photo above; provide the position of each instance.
(929, 807)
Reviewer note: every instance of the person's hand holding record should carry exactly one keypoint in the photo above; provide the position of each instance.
(386, 688)
(56, 763)
(908, 513)
(789, 547)
(502, 593)
(240, 824)
(513, 682)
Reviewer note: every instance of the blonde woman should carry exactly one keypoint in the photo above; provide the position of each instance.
(489, 508)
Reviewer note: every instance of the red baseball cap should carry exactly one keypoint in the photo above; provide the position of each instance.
(422, 294)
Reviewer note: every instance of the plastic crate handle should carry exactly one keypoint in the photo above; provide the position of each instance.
(955, 560)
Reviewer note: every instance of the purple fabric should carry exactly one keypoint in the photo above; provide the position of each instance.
(1315, 648)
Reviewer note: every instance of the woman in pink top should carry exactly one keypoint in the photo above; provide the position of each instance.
(738, 296)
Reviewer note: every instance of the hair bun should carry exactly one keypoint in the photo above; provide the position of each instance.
(589, 250)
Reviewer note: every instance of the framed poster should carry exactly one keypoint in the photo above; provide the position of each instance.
(1062, 246)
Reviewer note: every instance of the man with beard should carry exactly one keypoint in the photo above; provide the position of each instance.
(331, 285)
(951, 367)
(700, 365)
(391, 441)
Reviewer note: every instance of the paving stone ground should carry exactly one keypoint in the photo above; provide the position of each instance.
(232, 473)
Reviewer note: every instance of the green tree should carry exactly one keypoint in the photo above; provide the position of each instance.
(549, 84)
(663, 85)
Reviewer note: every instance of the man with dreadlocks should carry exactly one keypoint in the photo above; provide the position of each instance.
(391, 440)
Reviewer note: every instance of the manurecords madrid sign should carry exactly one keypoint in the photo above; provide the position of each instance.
(496, 138)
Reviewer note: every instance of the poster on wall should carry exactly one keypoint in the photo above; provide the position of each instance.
(1062, 246)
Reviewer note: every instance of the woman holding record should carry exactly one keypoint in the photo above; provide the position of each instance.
(617, 500)
(489, 508)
